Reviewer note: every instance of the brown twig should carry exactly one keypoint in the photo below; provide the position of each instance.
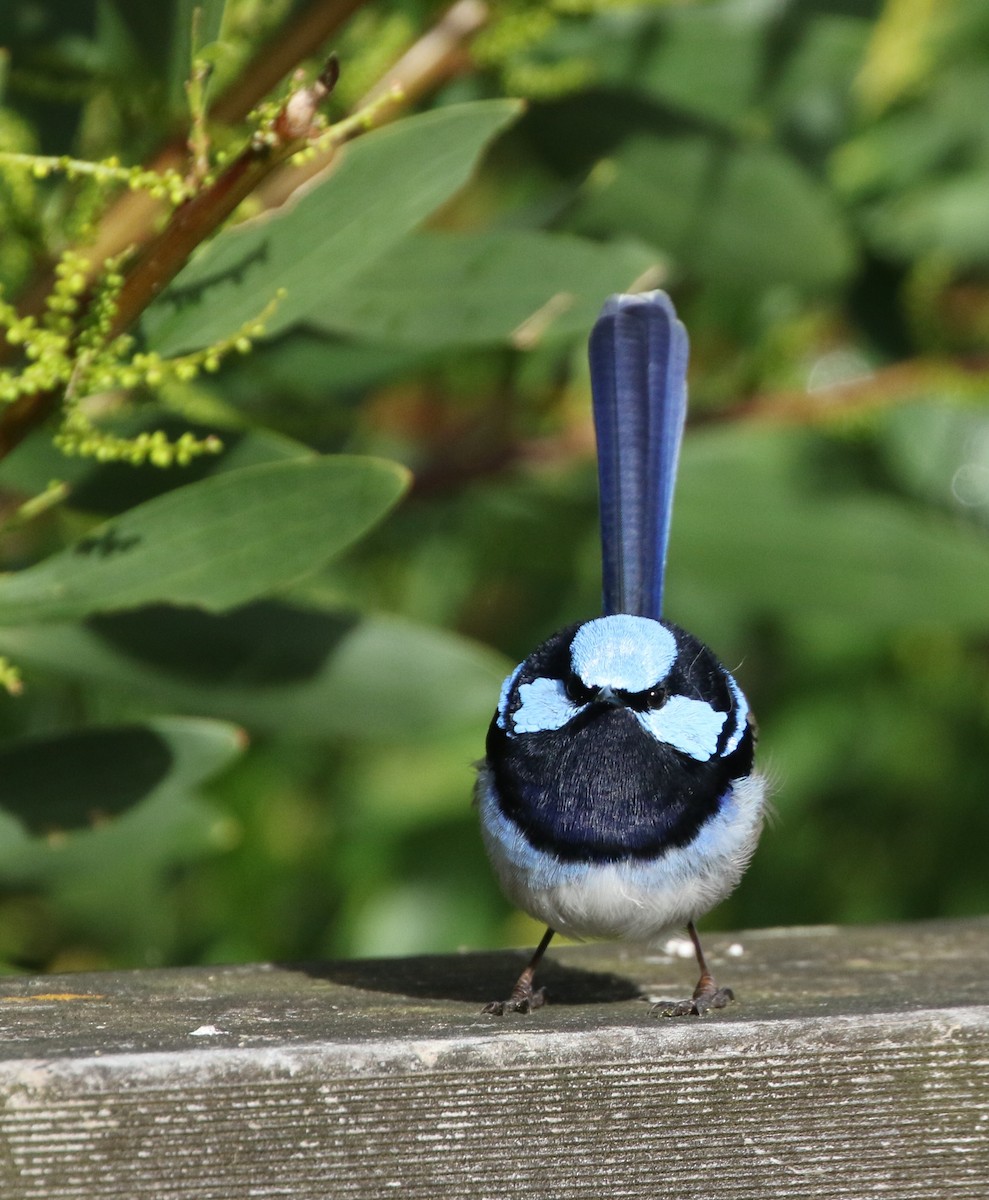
(303, 37)
(130, 220)
(897, 383)
(194, 221)
(204, 213)
(439, 55)
(886, 386)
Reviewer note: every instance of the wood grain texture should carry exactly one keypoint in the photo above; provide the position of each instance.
(856, 1063)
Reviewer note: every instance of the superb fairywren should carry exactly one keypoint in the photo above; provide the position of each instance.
(617, 798)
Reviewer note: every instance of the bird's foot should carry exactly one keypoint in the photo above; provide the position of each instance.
(522, 1000)
(707, 995)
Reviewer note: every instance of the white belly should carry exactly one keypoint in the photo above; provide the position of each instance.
(636, 900)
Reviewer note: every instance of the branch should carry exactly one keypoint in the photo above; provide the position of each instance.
(130, 220)
(438, 56)
(191, 224)
(304, 37)
(889, 385)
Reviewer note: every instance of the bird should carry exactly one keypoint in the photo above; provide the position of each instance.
(618, 797)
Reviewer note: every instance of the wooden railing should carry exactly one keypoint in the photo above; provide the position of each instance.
(855, 1063)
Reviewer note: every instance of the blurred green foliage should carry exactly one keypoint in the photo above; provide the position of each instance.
(807, 178)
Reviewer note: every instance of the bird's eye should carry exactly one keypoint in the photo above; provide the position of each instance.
(646, 700)
(577, 689)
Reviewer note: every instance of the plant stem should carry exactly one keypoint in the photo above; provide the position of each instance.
(191, 223)
(303, 37)
(130, 220)
(437, 56)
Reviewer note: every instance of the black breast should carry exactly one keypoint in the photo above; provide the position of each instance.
(603, 788)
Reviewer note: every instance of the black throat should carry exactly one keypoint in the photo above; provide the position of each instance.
(602, 788)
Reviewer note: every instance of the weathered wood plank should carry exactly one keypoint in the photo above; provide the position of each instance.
(856, 1063)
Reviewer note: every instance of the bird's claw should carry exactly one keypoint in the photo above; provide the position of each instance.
(522, 1002)
(704, 998)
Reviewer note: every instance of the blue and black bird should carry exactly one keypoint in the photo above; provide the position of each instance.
(617, 797)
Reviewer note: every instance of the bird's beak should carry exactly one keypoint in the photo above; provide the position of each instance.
(608, 696)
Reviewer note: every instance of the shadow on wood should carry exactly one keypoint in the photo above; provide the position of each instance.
(475, 979)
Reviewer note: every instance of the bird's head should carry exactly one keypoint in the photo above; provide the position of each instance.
(625, 667)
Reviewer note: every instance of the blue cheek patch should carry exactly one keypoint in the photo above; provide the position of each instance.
(741, 715)
(628, 653)
(691, 726)
(506, 691)
(545, 705)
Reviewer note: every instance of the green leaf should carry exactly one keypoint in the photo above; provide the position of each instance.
(940, 452)
(935, 139)
(385, 185)
(813, 95)
(707, 61)
(744, 214)
(946, 217)
(920, 174)
(704, 61)
(279, 668)
(111, 883)
(77, 780)
(443, 290)
(213, 544)
(306, 367)
(758, 531)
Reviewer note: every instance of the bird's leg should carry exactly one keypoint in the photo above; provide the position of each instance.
(706, 995)
(524, 997)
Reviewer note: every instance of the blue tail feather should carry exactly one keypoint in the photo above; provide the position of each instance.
(638, 356)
